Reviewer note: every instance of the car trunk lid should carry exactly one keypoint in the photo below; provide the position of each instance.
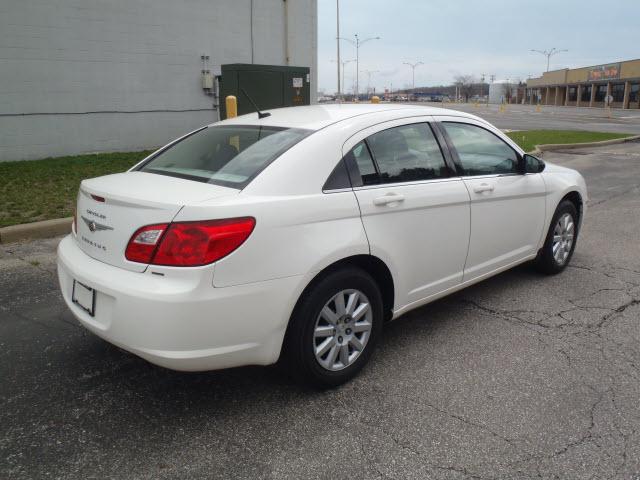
(111, 208)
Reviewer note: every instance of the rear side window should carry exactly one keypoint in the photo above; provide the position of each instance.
(361, 158)
(407, 153)
(480, 151)
(229, 155)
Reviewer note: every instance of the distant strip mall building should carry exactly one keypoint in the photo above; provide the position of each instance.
(588, 86)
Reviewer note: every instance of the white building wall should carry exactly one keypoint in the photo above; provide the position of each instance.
(498, 91)
(116, 75)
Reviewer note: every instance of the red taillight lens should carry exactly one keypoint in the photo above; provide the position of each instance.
(144, 242)
(190, 244)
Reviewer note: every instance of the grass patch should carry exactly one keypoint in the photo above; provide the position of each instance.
(34, 190)
(528, 139)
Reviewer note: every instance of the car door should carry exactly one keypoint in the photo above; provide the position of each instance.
(507, 206)
(415, 211)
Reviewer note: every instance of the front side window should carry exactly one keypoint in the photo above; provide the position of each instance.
(480, 151)
(407, 153)
(229, 155)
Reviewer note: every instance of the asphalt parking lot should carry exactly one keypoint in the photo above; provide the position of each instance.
(526, 117)
(522, 376)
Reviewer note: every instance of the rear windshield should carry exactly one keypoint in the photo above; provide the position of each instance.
(230, 155)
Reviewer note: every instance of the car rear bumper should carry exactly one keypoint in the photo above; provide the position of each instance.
(180, 322)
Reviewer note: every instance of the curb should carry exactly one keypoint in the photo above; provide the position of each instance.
(29, 231)
(571, 146)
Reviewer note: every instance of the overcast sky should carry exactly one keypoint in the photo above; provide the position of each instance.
(455, 37)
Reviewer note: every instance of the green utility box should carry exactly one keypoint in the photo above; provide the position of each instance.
(269, 86)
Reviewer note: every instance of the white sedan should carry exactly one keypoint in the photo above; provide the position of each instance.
(296, 236)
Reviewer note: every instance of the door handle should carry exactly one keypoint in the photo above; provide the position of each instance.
(387, 199)
(483, 187)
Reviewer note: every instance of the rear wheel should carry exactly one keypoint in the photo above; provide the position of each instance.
(561, 240)
(334, 328)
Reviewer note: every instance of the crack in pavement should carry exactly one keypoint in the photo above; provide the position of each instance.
(613, 197)
(407, 446)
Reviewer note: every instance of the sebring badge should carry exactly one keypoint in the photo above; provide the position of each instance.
(95, 226)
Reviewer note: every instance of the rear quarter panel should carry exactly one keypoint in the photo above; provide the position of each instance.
(299, 229)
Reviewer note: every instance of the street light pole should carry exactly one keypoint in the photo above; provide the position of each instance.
(357, 43)
(343, 66)
(413, 69)
(338, 43)
(549, 53)
(357, 67)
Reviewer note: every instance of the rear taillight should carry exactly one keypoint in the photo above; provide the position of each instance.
(144, 242)
(188, 244)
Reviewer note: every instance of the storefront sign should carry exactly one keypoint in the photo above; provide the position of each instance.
(605, 72)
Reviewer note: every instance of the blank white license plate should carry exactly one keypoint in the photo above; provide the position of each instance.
(84, 297)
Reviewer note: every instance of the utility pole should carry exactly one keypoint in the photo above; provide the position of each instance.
(549, 54)
(413, 70)
(338, 43)
(358, 43)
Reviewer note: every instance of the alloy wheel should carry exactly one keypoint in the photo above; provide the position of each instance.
(563, 235)
(342, 329)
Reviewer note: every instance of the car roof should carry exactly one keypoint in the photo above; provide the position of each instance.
(316, 117)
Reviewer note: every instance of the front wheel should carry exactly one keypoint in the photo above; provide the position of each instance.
(561, 240)
(334, 328)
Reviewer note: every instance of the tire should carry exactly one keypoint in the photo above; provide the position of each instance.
(311, 331)
(547, 262)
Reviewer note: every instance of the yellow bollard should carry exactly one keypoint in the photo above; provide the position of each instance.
(232, 106)
(538, 108)
(375, 99)
(232, 111)
(501, 109)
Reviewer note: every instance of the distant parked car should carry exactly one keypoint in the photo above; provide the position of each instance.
(296, 236)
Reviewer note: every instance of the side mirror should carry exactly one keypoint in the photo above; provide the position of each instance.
(532, 164)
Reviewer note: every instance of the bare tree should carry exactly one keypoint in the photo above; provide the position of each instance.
(465, 83)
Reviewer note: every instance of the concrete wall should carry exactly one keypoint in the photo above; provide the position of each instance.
(93, 75)
(578, 75)
(548, 78)
(630, 69)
